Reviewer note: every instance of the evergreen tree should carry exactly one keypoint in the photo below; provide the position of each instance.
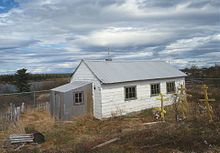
(21, 80)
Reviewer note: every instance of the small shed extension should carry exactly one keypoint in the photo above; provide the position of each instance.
(72, 99)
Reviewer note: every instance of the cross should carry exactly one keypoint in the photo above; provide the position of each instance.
(162, 110)
(182, 89)
(207, 100)
(182, 100)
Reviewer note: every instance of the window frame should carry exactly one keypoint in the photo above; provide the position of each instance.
(74, 97)
(174, 87)
(155, 94)
(130, 98)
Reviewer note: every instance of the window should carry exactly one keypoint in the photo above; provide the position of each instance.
(170, 87)
(78, 97)
(155, 89)
(130, 93)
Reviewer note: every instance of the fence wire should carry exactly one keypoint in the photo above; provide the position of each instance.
(12, 105)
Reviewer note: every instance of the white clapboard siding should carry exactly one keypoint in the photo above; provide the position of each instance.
(113, 98)
(83, 73)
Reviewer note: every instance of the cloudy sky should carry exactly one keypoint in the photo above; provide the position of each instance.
(51, 36)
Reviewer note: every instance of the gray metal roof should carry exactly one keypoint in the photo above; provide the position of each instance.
(123, 71)
(70, 86)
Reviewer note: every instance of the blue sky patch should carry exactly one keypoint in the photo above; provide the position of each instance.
(6, 5)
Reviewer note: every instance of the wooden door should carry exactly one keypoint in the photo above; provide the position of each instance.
(57, 106)
(89, 100)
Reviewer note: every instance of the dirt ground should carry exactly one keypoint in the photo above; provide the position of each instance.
(80, 135)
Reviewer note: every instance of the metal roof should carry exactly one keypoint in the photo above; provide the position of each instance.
(71, 86)
(124, 71)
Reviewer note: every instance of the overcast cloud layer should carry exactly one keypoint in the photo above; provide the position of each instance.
(51, 36)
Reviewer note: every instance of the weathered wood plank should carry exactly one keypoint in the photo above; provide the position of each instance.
(210, 100)
(151, 123)
(20, 138)
(107, 142)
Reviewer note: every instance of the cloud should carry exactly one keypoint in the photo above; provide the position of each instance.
(134, 55)
(10, 43)
(49, 35)
(123, 36)
(185, 45)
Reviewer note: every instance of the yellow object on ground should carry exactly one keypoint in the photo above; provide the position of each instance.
(206, 100)
(161, 109)
(182, 101)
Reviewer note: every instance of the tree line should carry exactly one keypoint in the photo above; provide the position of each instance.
(21, 79)
(10, 78)
(196, 72)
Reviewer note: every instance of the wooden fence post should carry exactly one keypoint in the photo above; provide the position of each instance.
(22, 107)
(34, 99)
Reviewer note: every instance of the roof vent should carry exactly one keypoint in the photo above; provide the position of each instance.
(109, 57)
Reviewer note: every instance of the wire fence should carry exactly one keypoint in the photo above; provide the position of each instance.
(12, 105)
(194, 88)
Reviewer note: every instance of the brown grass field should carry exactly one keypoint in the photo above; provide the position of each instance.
(81, 134)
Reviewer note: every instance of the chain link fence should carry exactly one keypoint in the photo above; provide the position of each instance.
(14, 104)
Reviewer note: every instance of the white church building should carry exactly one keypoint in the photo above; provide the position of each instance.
(107, 88)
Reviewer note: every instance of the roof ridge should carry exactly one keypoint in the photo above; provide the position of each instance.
(130, 70)
(126, 61)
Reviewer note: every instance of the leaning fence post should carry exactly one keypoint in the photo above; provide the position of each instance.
(34, 100)
(47, 106)
(22, 107)
(15, 114)
(11, 111)
(18, 109)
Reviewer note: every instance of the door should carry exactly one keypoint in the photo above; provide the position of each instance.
(57, 106)
(83, 101)
(89, 99)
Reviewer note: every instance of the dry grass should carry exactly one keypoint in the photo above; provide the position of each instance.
(41, 120)
(83, 133)
(2, 136)
(197, 136)
(89, 131)
(38, 120)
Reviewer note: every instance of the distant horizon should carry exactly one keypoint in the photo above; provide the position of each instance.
(1, 74)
